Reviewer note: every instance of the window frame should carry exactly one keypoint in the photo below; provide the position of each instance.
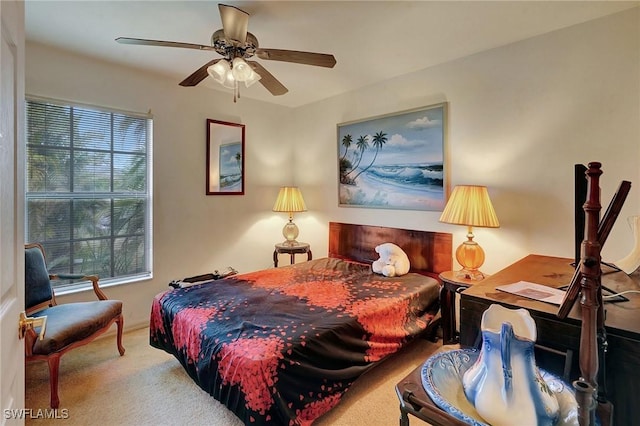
(111, 195)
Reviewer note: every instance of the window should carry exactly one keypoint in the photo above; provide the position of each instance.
(88, 196)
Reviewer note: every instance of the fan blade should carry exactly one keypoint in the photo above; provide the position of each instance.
(307, 58)
(199, 75)
(268, 80)
(234, 23)
(144, 42)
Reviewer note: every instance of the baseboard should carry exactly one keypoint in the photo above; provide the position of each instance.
(127, 328)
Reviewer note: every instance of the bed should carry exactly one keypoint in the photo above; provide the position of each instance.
(282, 345)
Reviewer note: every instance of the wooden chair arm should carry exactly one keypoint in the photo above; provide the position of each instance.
(93, 278)
(96, 287)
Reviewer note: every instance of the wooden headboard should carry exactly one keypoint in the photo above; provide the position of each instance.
(429, 252)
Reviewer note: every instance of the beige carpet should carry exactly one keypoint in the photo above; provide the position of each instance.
(149, 387)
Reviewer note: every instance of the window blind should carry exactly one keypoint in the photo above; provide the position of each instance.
(88, 189)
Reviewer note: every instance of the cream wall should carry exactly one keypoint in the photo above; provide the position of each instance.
(520, 117)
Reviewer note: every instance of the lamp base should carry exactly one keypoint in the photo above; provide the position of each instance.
(470, 274)
(471, 257)
(289, 243)
(290, 233)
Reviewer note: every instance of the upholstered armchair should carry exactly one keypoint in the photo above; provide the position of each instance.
(66, 326)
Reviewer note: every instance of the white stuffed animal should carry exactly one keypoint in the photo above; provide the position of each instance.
(393, 261)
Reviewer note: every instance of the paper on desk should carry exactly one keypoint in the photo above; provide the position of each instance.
(534, 291)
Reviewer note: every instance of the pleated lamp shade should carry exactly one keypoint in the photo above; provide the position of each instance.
(289, 200)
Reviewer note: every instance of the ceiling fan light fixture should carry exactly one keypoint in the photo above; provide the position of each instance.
(219, 71)
(253, 78)
(229, 82)
(240, 69)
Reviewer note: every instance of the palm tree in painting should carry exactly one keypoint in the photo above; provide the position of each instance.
(347, 140)
(345, 164)
(379, 139)
(239, 161)
(362, 145)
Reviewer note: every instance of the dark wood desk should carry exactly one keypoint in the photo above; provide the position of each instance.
(563, 336)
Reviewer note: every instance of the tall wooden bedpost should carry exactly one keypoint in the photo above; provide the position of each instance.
(590, 301)
(586, 282)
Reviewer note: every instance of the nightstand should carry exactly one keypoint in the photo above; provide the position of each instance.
(292, 250)
(450, 286)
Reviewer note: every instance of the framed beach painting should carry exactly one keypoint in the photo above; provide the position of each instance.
(394, 161)
(225, 158)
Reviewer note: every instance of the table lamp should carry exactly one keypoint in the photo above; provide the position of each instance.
(470, 205)
(290, 200)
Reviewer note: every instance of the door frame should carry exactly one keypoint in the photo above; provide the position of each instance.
(12, 81)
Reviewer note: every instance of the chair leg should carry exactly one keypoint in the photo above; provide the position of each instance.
(120, 325)
(54, 367)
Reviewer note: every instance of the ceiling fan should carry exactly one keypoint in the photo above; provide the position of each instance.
(236, 45)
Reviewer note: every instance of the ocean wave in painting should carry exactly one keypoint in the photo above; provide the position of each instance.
(406, 186)
(231, 182)
(414, 175)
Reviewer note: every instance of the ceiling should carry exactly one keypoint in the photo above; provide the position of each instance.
(372, 40)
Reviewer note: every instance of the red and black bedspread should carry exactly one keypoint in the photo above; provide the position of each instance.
(281, 346)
